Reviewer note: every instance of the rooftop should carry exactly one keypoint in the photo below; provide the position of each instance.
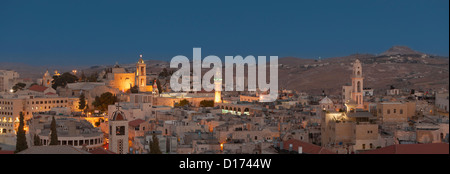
(53, 150)
(307, 148)
(37, 88)
(432, 148)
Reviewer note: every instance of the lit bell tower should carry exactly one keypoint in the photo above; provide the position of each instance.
(141, 75)
(357, 84)
(47, 80)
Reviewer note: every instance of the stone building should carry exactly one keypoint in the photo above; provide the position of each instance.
(395, 112)
(78, 133)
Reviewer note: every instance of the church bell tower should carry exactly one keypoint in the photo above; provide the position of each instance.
(118, 132)
(47, 80)
(357, 84)
(141, 75)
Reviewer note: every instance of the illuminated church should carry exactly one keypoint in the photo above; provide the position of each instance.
(353, 95)
(119, 78)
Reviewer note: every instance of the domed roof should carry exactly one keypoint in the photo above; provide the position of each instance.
(326, 100)
(118, 116)
(140, 59)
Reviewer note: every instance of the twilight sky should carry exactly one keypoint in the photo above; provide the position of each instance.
(105, 31)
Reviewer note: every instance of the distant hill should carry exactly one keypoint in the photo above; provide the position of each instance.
(408, 69)
(399, 66)
(400, 50)
(34, 72)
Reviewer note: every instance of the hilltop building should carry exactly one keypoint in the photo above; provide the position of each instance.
(119, 78)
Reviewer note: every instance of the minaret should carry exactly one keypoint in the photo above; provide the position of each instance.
(47, 80)
(357, 84)
(141, 75)
(118, 132)
(218, 87)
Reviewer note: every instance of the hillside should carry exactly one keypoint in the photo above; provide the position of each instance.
(399, 66)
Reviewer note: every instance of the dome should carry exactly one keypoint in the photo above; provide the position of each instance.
(140, 59)
(118, 116)
(326, 100)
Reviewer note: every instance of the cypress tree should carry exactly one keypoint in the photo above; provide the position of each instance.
(154, 145)
(37, 140)
(21, 143)
(53, 134)
(82, 102)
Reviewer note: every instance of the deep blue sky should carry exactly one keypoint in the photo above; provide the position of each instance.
(103, 32)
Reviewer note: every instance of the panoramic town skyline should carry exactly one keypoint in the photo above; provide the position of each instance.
(224, 85)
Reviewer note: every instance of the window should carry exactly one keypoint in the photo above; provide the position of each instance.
(371, 145)
(120, 130)
(388, 111)
(401, 111)
(395, 111)
(363, 146)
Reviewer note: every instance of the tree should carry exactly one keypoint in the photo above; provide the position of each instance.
(102, 102)
(158, 85)
(207, 103)
(83, 77)
(134, 89)
(154, 145)
(182, 103)
(37, 140)
(53, 134)
(21, 143)
(93, 77)
(82, 102)
(63, 79)
(19, 86)
(164, 73)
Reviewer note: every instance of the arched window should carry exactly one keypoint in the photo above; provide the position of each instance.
(359, 86)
